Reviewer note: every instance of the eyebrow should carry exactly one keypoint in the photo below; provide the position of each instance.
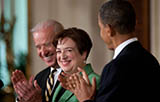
(67, 48)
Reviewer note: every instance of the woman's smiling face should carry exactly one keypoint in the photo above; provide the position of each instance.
(68, 56)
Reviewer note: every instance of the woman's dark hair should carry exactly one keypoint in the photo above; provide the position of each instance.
(79, 36)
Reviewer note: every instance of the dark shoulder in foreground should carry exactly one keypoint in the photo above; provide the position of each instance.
(41, 77)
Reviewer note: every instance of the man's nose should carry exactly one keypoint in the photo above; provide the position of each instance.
(44, 51)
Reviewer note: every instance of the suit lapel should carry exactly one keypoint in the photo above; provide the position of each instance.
(57, 90)
(67, 94)
(43, 80)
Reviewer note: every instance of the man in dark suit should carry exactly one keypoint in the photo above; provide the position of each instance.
(133, 74)
(34, 89)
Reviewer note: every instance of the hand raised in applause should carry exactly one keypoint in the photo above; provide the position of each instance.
(79, 85)
(27, 91)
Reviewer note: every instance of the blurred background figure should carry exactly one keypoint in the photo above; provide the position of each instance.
(1, 84)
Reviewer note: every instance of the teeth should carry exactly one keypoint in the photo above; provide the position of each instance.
(65, 62)
(51, 54)
(48, 57)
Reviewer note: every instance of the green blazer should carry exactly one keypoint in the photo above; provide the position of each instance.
(68, 96)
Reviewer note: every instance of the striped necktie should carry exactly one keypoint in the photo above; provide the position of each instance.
(49, 85)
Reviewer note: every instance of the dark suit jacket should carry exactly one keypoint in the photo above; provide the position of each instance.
(133, 76)
(41, 78)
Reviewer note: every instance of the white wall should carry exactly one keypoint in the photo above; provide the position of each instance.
(155, 28)
(71, 13)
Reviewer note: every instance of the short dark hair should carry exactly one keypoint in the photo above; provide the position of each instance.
(119, 14)
(79, 36)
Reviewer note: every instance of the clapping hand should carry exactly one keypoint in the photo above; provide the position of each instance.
(79, 84)
(27, 91)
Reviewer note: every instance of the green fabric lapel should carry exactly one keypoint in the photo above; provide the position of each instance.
(56, 92)
(67, 94)
(88, 69)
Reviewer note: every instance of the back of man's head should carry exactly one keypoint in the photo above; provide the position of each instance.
(57, 27)
(119, 14)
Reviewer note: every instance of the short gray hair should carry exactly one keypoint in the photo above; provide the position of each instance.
(57, 27)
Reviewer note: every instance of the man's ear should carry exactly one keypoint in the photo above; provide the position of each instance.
(110, 30)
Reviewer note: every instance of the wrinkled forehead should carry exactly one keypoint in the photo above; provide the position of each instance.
(44, 34)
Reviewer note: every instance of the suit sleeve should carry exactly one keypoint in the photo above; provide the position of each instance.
(109, 84)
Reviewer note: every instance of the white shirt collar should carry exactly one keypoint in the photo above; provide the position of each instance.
(55, 75)
(58, 70)
(122, 45)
